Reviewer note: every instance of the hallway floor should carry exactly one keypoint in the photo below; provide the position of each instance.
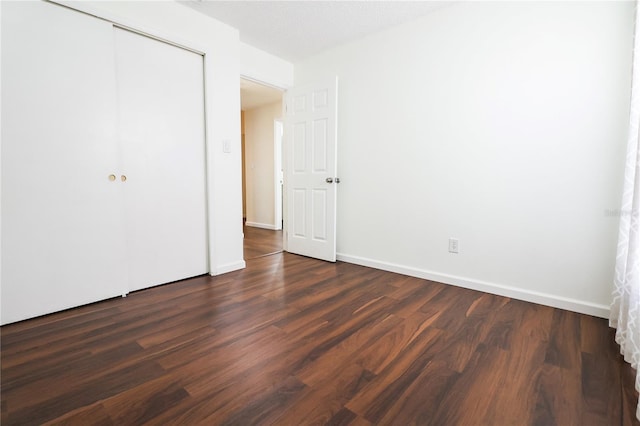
(260, 242)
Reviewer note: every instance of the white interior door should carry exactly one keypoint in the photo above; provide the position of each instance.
(162, 137)
(62, 228)
(311, 164)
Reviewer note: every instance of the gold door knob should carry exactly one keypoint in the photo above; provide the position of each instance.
(112, 178)
(123, 178)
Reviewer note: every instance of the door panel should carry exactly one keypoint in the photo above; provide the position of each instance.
(320, 145)
(62, 225)
(299, 216)
(311, 146)
(319, 206)
(161, 132)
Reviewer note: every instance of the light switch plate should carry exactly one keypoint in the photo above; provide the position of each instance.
(453, 245)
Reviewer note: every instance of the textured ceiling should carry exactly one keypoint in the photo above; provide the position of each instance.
(295, 30)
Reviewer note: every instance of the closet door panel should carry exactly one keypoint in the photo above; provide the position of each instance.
(161, 131)
(62, 224)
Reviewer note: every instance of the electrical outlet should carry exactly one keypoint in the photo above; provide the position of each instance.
(453, 245)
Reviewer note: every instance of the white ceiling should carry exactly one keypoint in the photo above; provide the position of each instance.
(295, 30)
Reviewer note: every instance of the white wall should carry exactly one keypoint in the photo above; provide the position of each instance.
(259, 160)
(500, 124)
(220, 43)
(258, 65)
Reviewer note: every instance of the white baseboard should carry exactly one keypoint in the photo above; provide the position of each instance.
(554, 301)
(262, 225)
(229, 267)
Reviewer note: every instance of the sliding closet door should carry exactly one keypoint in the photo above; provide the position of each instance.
(62, 225)
(161, 132)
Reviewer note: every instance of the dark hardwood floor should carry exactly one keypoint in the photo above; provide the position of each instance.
(291, 340)
(260, 242)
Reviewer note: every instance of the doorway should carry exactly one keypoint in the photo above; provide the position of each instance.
(262, 175)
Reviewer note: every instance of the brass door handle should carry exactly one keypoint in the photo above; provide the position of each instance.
(112, 177)
(123, 178)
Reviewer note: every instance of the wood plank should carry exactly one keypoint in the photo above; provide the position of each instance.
(266, 408)
(602, 387)
(559, 408)
(321, 403)
(260, 242)
(293, 340)
(143, 403)
(376, 398)
(52, 404)
(565, 342)
(389, 347)
(94, 414)
(330, 363)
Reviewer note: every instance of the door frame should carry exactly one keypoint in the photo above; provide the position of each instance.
(277, 86)
(278, 172)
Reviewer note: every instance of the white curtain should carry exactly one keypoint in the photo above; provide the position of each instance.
(625, 308)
